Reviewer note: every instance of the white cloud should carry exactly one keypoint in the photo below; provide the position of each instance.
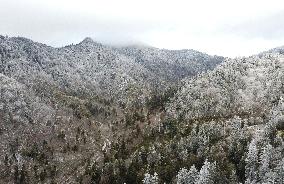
(223, 27)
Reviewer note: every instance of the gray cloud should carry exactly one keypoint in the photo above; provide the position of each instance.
(268, 27)
(57, 28)
(167, 24)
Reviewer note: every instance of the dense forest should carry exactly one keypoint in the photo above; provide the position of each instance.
(91, 113)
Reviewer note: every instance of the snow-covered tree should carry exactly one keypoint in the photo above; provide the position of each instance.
(251, 163)
(207, 173)
(279, 170)
(150, 179)
(187, 176)
(193, 141)
(265, 161)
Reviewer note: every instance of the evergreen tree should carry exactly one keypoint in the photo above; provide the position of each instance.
(187, 176)
(207, 173)
(280, 172)
(265, 159)
(251, 163)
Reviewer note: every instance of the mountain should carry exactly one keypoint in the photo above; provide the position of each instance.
(90, 67)
(92, 113)
(63, 109)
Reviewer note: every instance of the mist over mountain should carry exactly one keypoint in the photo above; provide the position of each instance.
(93, 113)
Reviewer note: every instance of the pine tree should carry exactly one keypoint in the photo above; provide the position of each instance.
(207, 173)
(193, 143)
(279, 170)
(187, 176)
(182, 176)
(265, 159)
(251, 163)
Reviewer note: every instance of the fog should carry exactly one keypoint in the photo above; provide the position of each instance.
(228, 28)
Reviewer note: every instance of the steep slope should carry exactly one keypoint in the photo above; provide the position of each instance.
(240, 86)
(232, 117)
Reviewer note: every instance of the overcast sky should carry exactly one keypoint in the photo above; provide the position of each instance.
(222, 27)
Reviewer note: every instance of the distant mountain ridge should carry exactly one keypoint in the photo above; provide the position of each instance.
(97, 66)
(172, 65)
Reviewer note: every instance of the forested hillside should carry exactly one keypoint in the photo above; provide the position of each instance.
(92, 113)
